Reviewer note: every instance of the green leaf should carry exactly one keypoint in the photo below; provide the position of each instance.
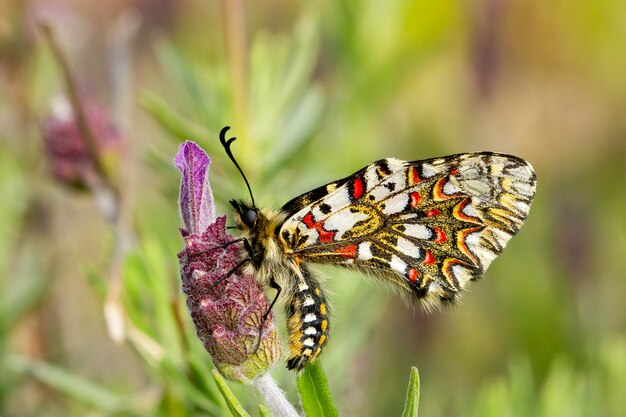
(413, 395)
(61, 380)
(231, 401)
(317, 399)
(264, 412)
(175, 124)
(23, 298)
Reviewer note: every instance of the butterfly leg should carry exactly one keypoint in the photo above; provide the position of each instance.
(248, 258)
(225, 245)
(232, 271)
(278, 289)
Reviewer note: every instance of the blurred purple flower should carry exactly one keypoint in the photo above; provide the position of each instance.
(227, 315)
(68, 157)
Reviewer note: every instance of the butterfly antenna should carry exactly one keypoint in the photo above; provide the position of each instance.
(226, 144)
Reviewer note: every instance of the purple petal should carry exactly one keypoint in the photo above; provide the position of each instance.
(197, 207)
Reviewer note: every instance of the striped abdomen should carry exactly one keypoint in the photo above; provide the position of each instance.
(307, 321)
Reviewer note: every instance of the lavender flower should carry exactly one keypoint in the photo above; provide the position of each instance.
(228, 314)
(69, 159)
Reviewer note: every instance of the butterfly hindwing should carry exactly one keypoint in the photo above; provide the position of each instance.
(427, 226)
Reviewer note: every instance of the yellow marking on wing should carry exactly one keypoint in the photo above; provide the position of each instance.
(323, 309)
(506, 184)
(324, 325)
(461, 243)
(413, 177)
(505, 217)
(322, 339)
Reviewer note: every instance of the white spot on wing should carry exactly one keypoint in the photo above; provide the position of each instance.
(308, 301)
(523, 172)
(429, 170)
(338, 199)
(522, 207)
(523, 188)
(313, 234)
(343, 221)
(309, 317)
(501, 236)
(380, 192)
(308, 342)
(397, 264)
(365, 251)
(477, 187)
(408, 248)
(396, 204)
(310, 330)
(462, 274)
(450, 188)
(470, 210)
(418, 231)
(371, 178)
(485, 256)
(468, 171)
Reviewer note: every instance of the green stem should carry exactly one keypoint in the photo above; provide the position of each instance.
(237, 53)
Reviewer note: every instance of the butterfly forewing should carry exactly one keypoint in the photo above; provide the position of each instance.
(427, 226)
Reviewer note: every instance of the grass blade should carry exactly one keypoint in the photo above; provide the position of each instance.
(317, 399)
(413, 395)
(64, 382)
(231, 401)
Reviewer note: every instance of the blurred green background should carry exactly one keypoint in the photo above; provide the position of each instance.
(315, 91)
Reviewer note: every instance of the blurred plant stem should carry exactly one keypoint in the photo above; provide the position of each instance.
(119, 40)
(274, 397)
(238, 64)
(88, 136)
(105, 191)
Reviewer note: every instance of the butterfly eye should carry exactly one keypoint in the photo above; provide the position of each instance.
(249, 218)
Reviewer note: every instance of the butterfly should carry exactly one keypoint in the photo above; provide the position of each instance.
(425, 227)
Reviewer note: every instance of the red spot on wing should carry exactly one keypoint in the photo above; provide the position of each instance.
(454, 171)
(325, 236)
(347, 251)
(440, 235)
(415, 199)
(308, 220)
(413, 274)
(414, 176)
(357, 188)
(428, 258)
(433, 213)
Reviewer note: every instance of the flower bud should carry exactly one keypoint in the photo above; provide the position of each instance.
(227, 312)
(66, 146)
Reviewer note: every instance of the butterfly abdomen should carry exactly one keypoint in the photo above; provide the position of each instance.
(307, 321)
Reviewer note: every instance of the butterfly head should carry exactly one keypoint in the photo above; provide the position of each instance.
(248, 215)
